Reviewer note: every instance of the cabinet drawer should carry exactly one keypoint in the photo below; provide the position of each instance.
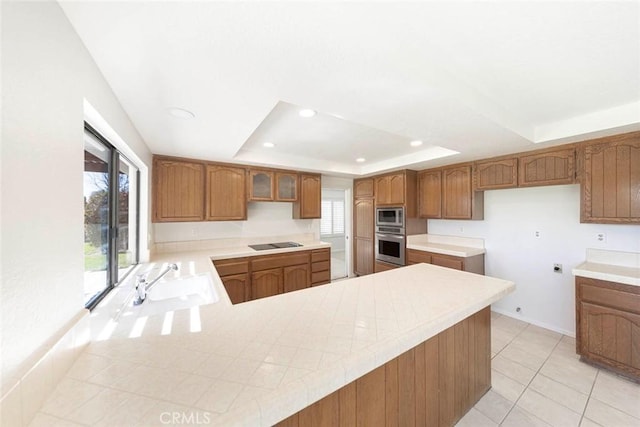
(320, 266)
(416, 257)
(321, 277)
(227, 267)
(320, 255)
(274, 261)
(446, 261)
(601, 295)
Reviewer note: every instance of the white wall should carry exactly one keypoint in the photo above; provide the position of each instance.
(513, 252)
(46, 74)
(263, 219)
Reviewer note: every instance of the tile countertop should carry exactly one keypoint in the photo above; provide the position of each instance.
(612, 266)
(258, 362)
(463, 247)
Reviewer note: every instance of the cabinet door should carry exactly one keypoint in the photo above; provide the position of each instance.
(266, 283)
(430, 194)
(495, 174)
(226, 193)
(457, 193)
(417, 257)
(549, 168)
(447, 261)
(237, 287)
(309, 200)
(364, 256)
(260, 185)
(611, 182)
(610, 336)
(396, 189)
(364, 215)
(178, 190)
(296, 277)
(383, 190)
(363, 188)
(286, 187)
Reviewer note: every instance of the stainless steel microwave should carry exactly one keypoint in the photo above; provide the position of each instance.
(390, 217)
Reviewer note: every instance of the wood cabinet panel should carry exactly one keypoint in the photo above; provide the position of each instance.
(320, 277)
(296, 277)
(430, 194)
(364, 252)
(286, 187)
(459, 200)
(178, 189)
(266, 262)
(547, 168)
(433, 384)
(364, 213)
(308, 205)
(390, 189)
(319, 255)
(226, 193)
(227, 267)
(494, 174)
(610, 187)
(237, 287)
(383, 266)
(446, 261)
(266, 283)
(472, 264)
(608, 325)
(320, 267)
(363, 188)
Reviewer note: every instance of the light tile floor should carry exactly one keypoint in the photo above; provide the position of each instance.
(538, 380)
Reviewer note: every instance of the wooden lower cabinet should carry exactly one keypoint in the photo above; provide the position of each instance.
(266, 283)
(296, 277)
(384, 266)
(432, 384)
(473, 264)
(250, 278)
(608, 325)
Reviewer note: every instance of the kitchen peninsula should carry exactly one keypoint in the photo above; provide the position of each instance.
(266, 360)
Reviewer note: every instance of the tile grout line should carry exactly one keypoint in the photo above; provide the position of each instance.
(532, 378)
(584, 411)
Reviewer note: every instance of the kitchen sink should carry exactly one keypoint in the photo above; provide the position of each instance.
(279, 245)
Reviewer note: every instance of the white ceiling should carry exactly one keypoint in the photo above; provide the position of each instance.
(477, 78)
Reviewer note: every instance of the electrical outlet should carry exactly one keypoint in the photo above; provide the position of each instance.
(557, 268)
(601, 237)
(537, 234)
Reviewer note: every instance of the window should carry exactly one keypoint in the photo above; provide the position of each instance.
(110, 216)
(332, 220)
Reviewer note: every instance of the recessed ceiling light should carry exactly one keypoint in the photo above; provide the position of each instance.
(181, 113)
(361, 160)
(416, 143)
(269, 144)
(307, 113)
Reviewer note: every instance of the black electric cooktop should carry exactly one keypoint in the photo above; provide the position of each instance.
(279, 245)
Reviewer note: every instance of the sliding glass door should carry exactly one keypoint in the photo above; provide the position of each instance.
(110, 216)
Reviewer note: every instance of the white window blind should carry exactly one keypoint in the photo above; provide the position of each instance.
(332, 220)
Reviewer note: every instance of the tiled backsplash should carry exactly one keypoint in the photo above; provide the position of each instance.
(201, 245)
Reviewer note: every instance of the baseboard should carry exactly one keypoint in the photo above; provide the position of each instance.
(535, 322)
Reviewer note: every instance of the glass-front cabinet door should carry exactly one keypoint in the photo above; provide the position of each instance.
(261, 183)
(286, 187)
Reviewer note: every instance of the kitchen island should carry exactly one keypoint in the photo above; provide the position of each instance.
(264, 361)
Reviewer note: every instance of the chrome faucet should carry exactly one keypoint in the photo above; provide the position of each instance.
(143, 287)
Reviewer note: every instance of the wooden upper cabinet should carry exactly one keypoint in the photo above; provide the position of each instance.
(390, 190)
(261, 185)
(459, 200)
(494, 174)
(610, 185)
(430, 194)
(178, 189)
(286, 187)
(308, 205)
(363, 188)
(547, 168)
(226, 193)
